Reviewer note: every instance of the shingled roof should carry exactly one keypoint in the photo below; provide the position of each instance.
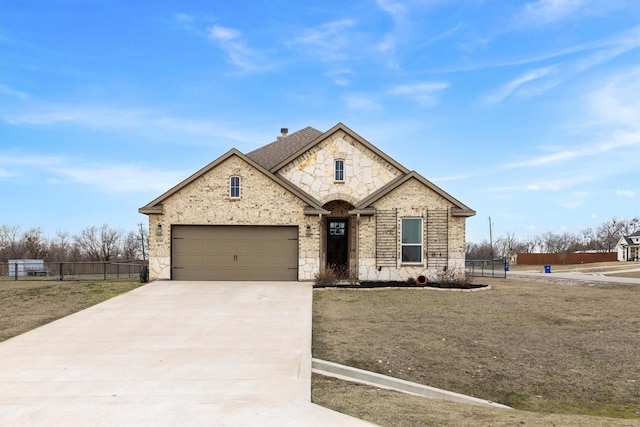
(272, 154)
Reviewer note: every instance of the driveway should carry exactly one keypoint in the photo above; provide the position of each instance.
(167, 354)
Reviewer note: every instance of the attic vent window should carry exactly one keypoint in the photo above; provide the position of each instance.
(339, 170)
(234, 187)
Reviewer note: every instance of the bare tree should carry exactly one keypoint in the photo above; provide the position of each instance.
(59, 248)
(130, 246)
(609, 232)
(11, 245)
(480, 250)
(35, 246)
(99, 244)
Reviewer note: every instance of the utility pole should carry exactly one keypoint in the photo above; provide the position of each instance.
(144, 256)
(491, 237)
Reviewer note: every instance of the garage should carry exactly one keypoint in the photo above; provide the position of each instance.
(221, 252)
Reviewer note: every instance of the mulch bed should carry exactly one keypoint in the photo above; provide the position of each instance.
(398, 284)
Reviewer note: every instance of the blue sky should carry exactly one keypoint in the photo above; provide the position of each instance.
(528, 112)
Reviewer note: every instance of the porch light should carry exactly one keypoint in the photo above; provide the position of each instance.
(159, 230)
(308, 230)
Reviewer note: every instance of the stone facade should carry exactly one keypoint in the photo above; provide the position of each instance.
(364, 171)
(304, 193)
(206, 201)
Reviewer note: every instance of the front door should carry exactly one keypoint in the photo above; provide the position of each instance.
(337, 244)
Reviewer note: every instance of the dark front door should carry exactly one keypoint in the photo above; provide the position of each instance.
(337, 244)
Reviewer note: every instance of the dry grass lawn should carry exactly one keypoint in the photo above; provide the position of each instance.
(553, 347)
(25, 305)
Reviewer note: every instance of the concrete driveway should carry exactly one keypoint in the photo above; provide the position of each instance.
(168, 354)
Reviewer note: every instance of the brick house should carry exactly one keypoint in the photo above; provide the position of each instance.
(306, 201)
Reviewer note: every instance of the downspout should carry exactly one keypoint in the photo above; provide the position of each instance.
(357, 263)
(320, 231)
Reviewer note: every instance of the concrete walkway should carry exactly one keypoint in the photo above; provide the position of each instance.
(168, 354)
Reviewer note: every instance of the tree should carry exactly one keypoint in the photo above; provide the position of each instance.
(99, 244)
(480, 250)
(11, 245)
(609, 232)
(35, 247)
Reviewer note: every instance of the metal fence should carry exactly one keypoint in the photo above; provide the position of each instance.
(91, 270)
(487, 268)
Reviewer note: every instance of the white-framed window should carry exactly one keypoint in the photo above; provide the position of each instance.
(339, 170)
(234, 187)
(412, 240)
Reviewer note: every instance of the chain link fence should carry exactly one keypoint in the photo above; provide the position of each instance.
(80, 270)
(487, 268)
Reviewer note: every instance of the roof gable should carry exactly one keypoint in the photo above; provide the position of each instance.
(459, 208)
(323, 136)
(155, 206)
(271, 154)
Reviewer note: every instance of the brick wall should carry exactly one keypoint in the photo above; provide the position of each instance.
(206, 201)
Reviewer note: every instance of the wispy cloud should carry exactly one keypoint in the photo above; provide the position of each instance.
(543, 12)
(541, 80)
(626, 193)
(328, 42)
(115, 178)
(117, 119)
(422, 93)
(6, 90)
(619, 140)
(509, 88)
(360, 102)
(238, 53)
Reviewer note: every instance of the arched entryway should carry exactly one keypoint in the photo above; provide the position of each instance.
(338, 232)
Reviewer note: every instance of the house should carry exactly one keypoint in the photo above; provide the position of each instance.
(307, 201)
(628, 247)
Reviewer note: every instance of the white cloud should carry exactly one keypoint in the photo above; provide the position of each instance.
(114, 178)
(362, 103)
(618, 140)
(6, 90)
(115, 118)
(238, 53)
(328, 42)
(616, 103)
(509, 88)
(123, 178)
(626, 193)
(184, 18)
(422, 93)
(546, 186)
(544, 12)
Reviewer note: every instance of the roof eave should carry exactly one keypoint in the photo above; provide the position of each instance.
(150, 210)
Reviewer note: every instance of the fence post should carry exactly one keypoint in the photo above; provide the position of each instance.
(118, 271)
(15, 270)
(62, 271)
(105, 270)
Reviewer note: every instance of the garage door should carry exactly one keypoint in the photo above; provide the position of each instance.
(234, 252)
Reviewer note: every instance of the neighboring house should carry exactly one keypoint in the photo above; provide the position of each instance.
(628, 247)
(307, 201)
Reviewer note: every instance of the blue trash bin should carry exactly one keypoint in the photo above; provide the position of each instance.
(506, 267)
(547, 269)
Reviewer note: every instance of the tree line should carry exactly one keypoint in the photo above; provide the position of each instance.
(102, 243)
(601, 239)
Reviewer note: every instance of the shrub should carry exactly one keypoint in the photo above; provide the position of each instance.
(326, 277)
(454, 278)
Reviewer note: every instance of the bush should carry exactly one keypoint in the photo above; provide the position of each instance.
(454, 278)
(326, 277)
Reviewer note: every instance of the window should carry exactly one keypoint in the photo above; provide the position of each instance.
(234, 187)
(339, 170)
(412, 240)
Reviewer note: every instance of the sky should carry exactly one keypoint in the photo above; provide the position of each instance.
(527, 112)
